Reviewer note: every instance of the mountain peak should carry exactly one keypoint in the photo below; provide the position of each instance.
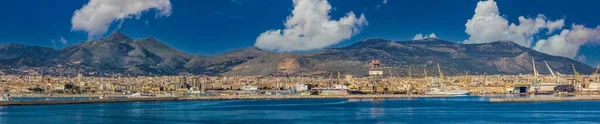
(118, 36)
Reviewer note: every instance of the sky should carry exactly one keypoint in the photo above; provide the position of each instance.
(211, 27)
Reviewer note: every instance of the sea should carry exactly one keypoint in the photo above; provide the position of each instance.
(462, 109)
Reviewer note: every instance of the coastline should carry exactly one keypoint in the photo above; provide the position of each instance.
(200, 98)
(546, 99)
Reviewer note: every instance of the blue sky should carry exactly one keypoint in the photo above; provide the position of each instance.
(210, 27)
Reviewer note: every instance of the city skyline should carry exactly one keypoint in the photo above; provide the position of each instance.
(207, 27)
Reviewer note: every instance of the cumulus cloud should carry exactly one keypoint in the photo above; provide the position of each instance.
(487, 25)
(62, 40)
(97, 15)
(384, 1)
(568, 42)
(420, 36)
(309, 27)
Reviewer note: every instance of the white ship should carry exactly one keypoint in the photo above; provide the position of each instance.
(141, 95)
(437, 91)
(249, 88)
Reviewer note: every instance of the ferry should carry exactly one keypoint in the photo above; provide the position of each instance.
(141, 95)
(249, 88)
(437, 91)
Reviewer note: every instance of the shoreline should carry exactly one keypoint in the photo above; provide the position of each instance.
(202, 98)
(546, 99)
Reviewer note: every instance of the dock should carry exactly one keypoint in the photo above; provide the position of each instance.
(546, 99)
(308, 97)
(55, 102)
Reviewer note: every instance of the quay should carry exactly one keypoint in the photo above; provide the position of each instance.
(54, 102)
(546, 99)
(309, 97)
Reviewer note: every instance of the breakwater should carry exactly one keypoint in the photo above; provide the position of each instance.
(546, 99)
(52, 102)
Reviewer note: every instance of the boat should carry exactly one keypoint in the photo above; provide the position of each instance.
(249, 88)
(437, 91)
(141, 95)
(6, 97)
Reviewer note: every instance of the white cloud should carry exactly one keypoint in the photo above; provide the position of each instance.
(488, 26)
(568, 42)
(309, 27)
(384, 1)
(62, 40)
(420, 36)
(582, 58)
(97, 15)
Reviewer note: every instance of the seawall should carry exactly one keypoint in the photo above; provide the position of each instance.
(546, 99)
(53, 102)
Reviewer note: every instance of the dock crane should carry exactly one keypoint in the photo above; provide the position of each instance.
(596, 74)
(536, 81)
(409, 74)
(426, 80)
(441, 74)
(481, 86)
(551, 72)
(577, 76)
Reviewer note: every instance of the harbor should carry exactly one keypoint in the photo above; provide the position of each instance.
(546, 99)
(151, 99)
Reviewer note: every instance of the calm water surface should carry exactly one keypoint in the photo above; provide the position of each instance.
(468, 109)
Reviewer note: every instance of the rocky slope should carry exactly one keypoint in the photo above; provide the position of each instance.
(120, 54)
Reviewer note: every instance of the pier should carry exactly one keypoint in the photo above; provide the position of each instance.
(546, 99)
(54, 102)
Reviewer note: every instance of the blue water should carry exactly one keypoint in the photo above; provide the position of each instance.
(468, 109)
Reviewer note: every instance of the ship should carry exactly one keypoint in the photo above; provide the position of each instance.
(249, 88)
(437, 91)
(141, 95)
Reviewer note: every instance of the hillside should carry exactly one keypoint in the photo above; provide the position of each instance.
(119, 54)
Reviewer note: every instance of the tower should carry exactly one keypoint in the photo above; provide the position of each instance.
(375, 68)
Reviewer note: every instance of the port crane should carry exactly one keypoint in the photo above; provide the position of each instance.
(577, 77)
(426, 78)
(552, 72)
(409, 74)
(536, 81)
(596, 74)
(441, 74)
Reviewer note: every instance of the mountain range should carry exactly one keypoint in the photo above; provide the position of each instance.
(119, 54)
